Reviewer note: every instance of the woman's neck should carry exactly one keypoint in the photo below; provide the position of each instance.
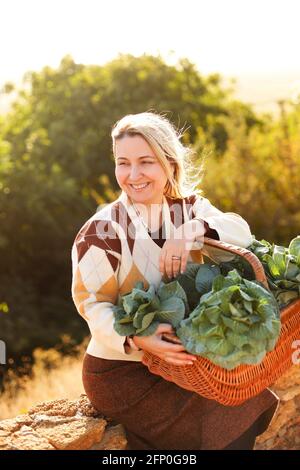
(151, 214)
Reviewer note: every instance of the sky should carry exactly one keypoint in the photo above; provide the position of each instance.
(255, 41)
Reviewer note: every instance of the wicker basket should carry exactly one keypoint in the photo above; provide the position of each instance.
(233, 387)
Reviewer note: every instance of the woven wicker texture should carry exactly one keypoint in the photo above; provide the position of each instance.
(233, 387)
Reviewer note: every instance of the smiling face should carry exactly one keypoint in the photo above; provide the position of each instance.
(137, 165)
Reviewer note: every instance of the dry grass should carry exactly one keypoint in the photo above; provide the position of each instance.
(54, 376)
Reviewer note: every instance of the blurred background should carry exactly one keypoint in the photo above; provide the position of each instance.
(228, 72)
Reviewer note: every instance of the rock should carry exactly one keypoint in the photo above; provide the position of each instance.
(284, 430)
(114, 439)
(27, 439)
(65, 407)
(289, 393)
(12, 425)
(79, 433)
(4, 439)
(61, 425)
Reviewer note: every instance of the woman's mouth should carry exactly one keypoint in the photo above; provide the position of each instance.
(139, 187)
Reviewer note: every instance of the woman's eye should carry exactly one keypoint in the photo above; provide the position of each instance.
(142, 162)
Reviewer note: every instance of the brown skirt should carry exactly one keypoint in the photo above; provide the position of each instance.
(159, 415)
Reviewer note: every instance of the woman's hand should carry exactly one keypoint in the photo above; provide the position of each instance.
(172, 353)
(180, 245)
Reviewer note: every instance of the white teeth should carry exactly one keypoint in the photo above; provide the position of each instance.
(140, 186)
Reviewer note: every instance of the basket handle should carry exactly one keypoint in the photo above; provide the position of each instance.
(250, 257)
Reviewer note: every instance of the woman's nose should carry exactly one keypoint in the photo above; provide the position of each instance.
(134, 173)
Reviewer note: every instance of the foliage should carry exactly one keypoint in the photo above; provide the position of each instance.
(258, 175)
(282, 268)
(237, 322)
(196, 281)
(140, 312)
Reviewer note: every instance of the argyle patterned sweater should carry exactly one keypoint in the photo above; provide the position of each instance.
(113, 250)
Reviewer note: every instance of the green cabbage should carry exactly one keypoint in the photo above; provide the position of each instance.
(197, 280)
(282, 268)
(236, 322)
(141, 311)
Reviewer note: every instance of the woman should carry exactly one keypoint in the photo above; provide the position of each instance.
(152, 230)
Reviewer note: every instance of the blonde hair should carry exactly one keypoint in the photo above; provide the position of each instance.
(164, 139)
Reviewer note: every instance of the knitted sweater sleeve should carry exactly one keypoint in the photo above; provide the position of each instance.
(230, 227)
(96, 255)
